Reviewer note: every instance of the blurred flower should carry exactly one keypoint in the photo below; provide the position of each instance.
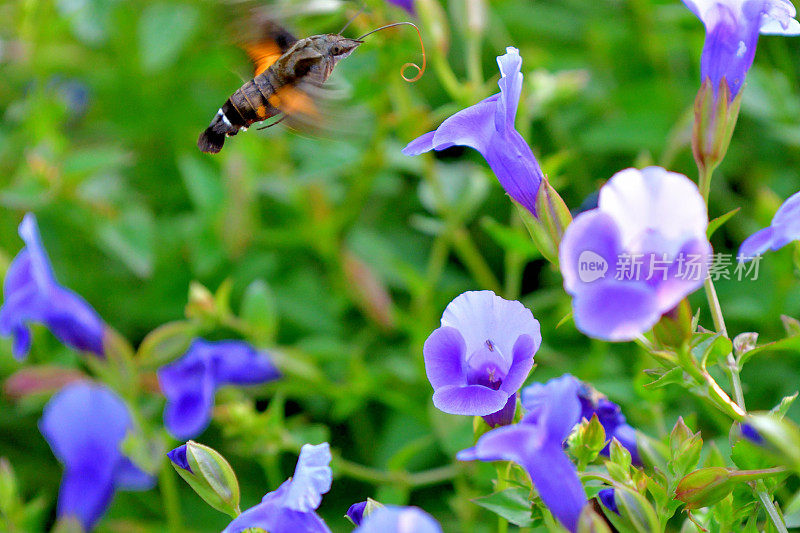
(480, 356)
(649, 230)
(751, 434)
(408, 5)
(391, 519)
(488, 127)
(611, 418)
(732, 28)
(190, 382)
(178, 456)
(536, 444)
(85, 425)
(784, 228)
(356, 512)
(32, 294)
(291, 508)
(609, 501)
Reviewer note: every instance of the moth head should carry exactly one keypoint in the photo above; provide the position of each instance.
(340, 47)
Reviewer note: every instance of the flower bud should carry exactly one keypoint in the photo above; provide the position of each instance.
(551, 220)
(587, 440)
(714, 120)
(704, 487)
(209, 474)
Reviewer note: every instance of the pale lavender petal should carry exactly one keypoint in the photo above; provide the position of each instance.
(41, 270)
(128, 476)
(445, 352)
(510, 87)
(482, 316)
(473, 127)
(271, 516)
(391, 519)
(615, 310)
(757, 243)
(555, 405)
(680, 281)
(85, 493)
(312, 478)
(653, 200)
(472, 400)
(420, 145)
(589, 250)
(522, 352)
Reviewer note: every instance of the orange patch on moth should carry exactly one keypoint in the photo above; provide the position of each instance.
(291, 100)
(261, 111)
(263, 54)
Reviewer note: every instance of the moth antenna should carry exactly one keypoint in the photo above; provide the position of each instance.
(361, 10)
(420, 70)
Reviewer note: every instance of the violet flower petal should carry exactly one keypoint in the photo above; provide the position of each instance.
(356, 512)
(444, 352)
(488, 127)
(469, 400)
(33, 295)
(85, 425)
(178, 456)
(312, 478)
(784, 228)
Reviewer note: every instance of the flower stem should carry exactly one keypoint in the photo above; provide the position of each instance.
(375, 476)
(769, 507)
(500, 485)
(170, 499)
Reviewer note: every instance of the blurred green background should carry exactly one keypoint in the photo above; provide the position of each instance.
(353, 249)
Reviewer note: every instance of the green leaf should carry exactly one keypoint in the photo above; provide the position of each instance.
(131, 239)
(510, 239)
(715, 224)
(167, 342)
(511, 504)
(202, 183)
(784, 405)
(789, 344)
(674, 375)
(164, 30)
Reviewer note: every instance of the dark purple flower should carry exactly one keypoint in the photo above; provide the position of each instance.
(611, 418)
(784, 228)
(190, 382)
(732, 28)
(85, 425)
(32, 294)
(537, 444)
(609, 501)
(291, 508)
(391, 519)
(488, 127)
(751, 434)
(178, 456)
(480, 356)
(637, 255)
(356, 512)
(408, 5)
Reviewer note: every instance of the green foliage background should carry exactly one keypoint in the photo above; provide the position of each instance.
(351, 249)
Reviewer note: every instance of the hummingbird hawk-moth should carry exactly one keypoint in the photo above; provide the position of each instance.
(287, 71)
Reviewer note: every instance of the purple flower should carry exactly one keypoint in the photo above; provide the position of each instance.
(784, 228)
(291, 507)
(408, 5)
(85, 425)
(391, 519)
(191, 382)
(32, 294)
(609, 501)
(751, 434)
(356, 512)
(481, 355)
(732, 28)
(536, 444)
(488, 127)
(611, 418)
(637, 255)
(178, 456)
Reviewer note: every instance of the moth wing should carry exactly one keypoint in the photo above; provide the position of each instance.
(271, 41)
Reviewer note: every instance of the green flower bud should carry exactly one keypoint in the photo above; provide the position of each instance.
(704, 487)
(209, 474)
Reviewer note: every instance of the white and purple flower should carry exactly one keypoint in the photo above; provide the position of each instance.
(191, 382)
(292, 506)
(488, 127)
(651, 218)
(32, 295)
(481, 355)
(85, 425)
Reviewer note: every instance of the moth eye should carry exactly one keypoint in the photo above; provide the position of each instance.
(336, 49)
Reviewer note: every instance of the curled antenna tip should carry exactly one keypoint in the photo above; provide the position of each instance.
(420, 70)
